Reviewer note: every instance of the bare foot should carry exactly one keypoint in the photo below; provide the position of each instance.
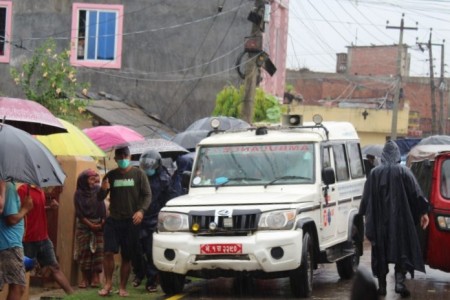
(105, 291)
(123, 293)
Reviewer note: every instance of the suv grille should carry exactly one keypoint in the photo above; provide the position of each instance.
(243, 221)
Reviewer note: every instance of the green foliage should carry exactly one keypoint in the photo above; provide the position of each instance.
(229, 103)
(49, 79)
(289, 88)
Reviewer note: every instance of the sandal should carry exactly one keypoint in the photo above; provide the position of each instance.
(152, 288)
(123, 293)
(136, 282)
(104, 292)
(83, 285)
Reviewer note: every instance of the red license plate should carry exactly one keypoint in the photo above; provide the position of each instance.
(221, 248)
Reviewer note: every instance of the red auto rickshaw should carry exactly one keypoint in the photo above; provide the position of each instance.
(431, 166)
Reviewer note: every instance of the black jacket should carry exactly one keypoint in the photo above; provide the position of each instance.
(392, 204)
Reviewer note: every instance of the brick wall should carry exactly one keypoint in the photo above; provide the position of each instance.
(376, 60)
(330, 86)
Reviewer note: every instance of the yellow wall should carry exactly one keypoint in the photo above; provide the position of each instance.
(372, 130)
(72, 166)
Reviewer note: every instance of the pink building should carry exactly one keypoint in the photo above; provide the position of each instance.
(275, 44)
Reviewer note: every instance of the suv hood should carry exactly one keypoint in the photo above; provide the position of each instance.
(241, 199)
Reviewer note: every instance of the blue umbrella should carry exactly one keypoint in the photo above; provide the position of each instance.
(24, 159)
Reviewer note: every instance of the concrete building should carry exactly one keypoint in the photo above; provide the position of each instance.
(362, 90)
(169, 58)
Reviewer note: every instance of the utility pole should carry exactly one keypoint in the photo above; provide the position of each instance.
(399, 75)
(433, 89)
(252, 69)
(442, 88)
(437, 124)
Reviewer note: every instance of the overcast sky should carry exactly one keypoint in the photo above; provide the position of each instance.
(318, 29)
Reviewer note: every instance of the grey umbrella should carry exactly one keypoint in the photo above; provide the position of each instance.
(190, 139)
(165, 147)
(226, 123)
(375, 150)
(24, 159)
(435, 140)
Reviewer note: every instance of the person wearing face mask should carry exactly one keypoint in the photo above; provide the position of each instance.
(162, 191)
(129, 197)
(91, 216)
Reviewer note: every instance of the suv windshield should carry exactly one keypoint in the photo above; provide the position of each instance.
(242, 165)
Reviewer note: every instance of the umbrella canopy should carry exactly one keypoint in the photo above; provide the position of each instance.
(73, 143)
(423, 152)
(226, 123)
(375, 150)
(190, 139)
(109, 137)
(29, 116)
(435, 140)
(164, 147)
(24, 159)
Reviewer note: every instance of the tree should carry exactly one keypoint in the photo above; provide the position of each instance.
(229, 103)
(49, 79)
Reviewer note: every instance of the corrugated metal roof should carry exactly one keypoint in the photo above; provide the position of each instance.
(120, 113)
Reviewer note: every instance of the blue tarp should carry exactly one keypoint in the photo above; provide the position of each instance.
(406, 144)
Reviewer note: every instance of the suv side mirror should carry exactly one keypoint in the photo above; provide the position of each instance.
(185, 178)
(328, 176)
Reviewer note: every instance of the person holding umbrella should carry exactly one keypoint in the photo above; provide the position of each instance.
(129, 197)
(12, 268)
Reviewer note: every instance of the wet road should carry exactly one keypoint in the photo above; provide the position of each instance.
(327, 285)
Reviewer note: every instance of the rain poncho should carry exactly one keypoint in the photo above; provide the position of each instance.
(392, 204)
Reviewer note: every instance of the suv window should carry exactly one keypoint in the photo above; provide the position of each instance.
(241, 165)
(356, 163)
(340, 161)
(326, 161)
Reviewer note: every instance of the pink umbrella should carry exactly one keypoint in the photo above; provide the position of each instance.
(29, 116)
(109, 137)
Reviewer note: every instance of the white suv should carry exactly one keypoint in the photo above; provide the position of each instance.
(266, 203)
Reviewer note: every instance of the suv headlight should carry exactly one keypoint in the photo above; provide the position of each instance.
(278, 219)
(169, 221)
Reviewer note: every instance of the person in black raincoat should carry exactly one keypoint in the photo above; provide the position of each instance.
(162, 191)
(184, 163)
(393, 205)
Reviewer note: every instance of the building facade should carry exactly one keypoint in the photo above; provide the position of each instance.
(366, 82)
(169, 58)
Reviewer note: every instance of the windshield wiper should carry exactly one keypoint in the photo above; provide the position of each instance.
(237, 179)
(285, 177)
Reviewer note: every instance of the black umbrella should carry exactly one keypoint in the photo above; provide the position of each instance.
(226, 123)
(190, 139)
(24, 159)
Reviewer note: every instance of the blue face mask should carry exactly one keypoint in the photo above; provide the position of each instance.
(150, 172)
(123, 163)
